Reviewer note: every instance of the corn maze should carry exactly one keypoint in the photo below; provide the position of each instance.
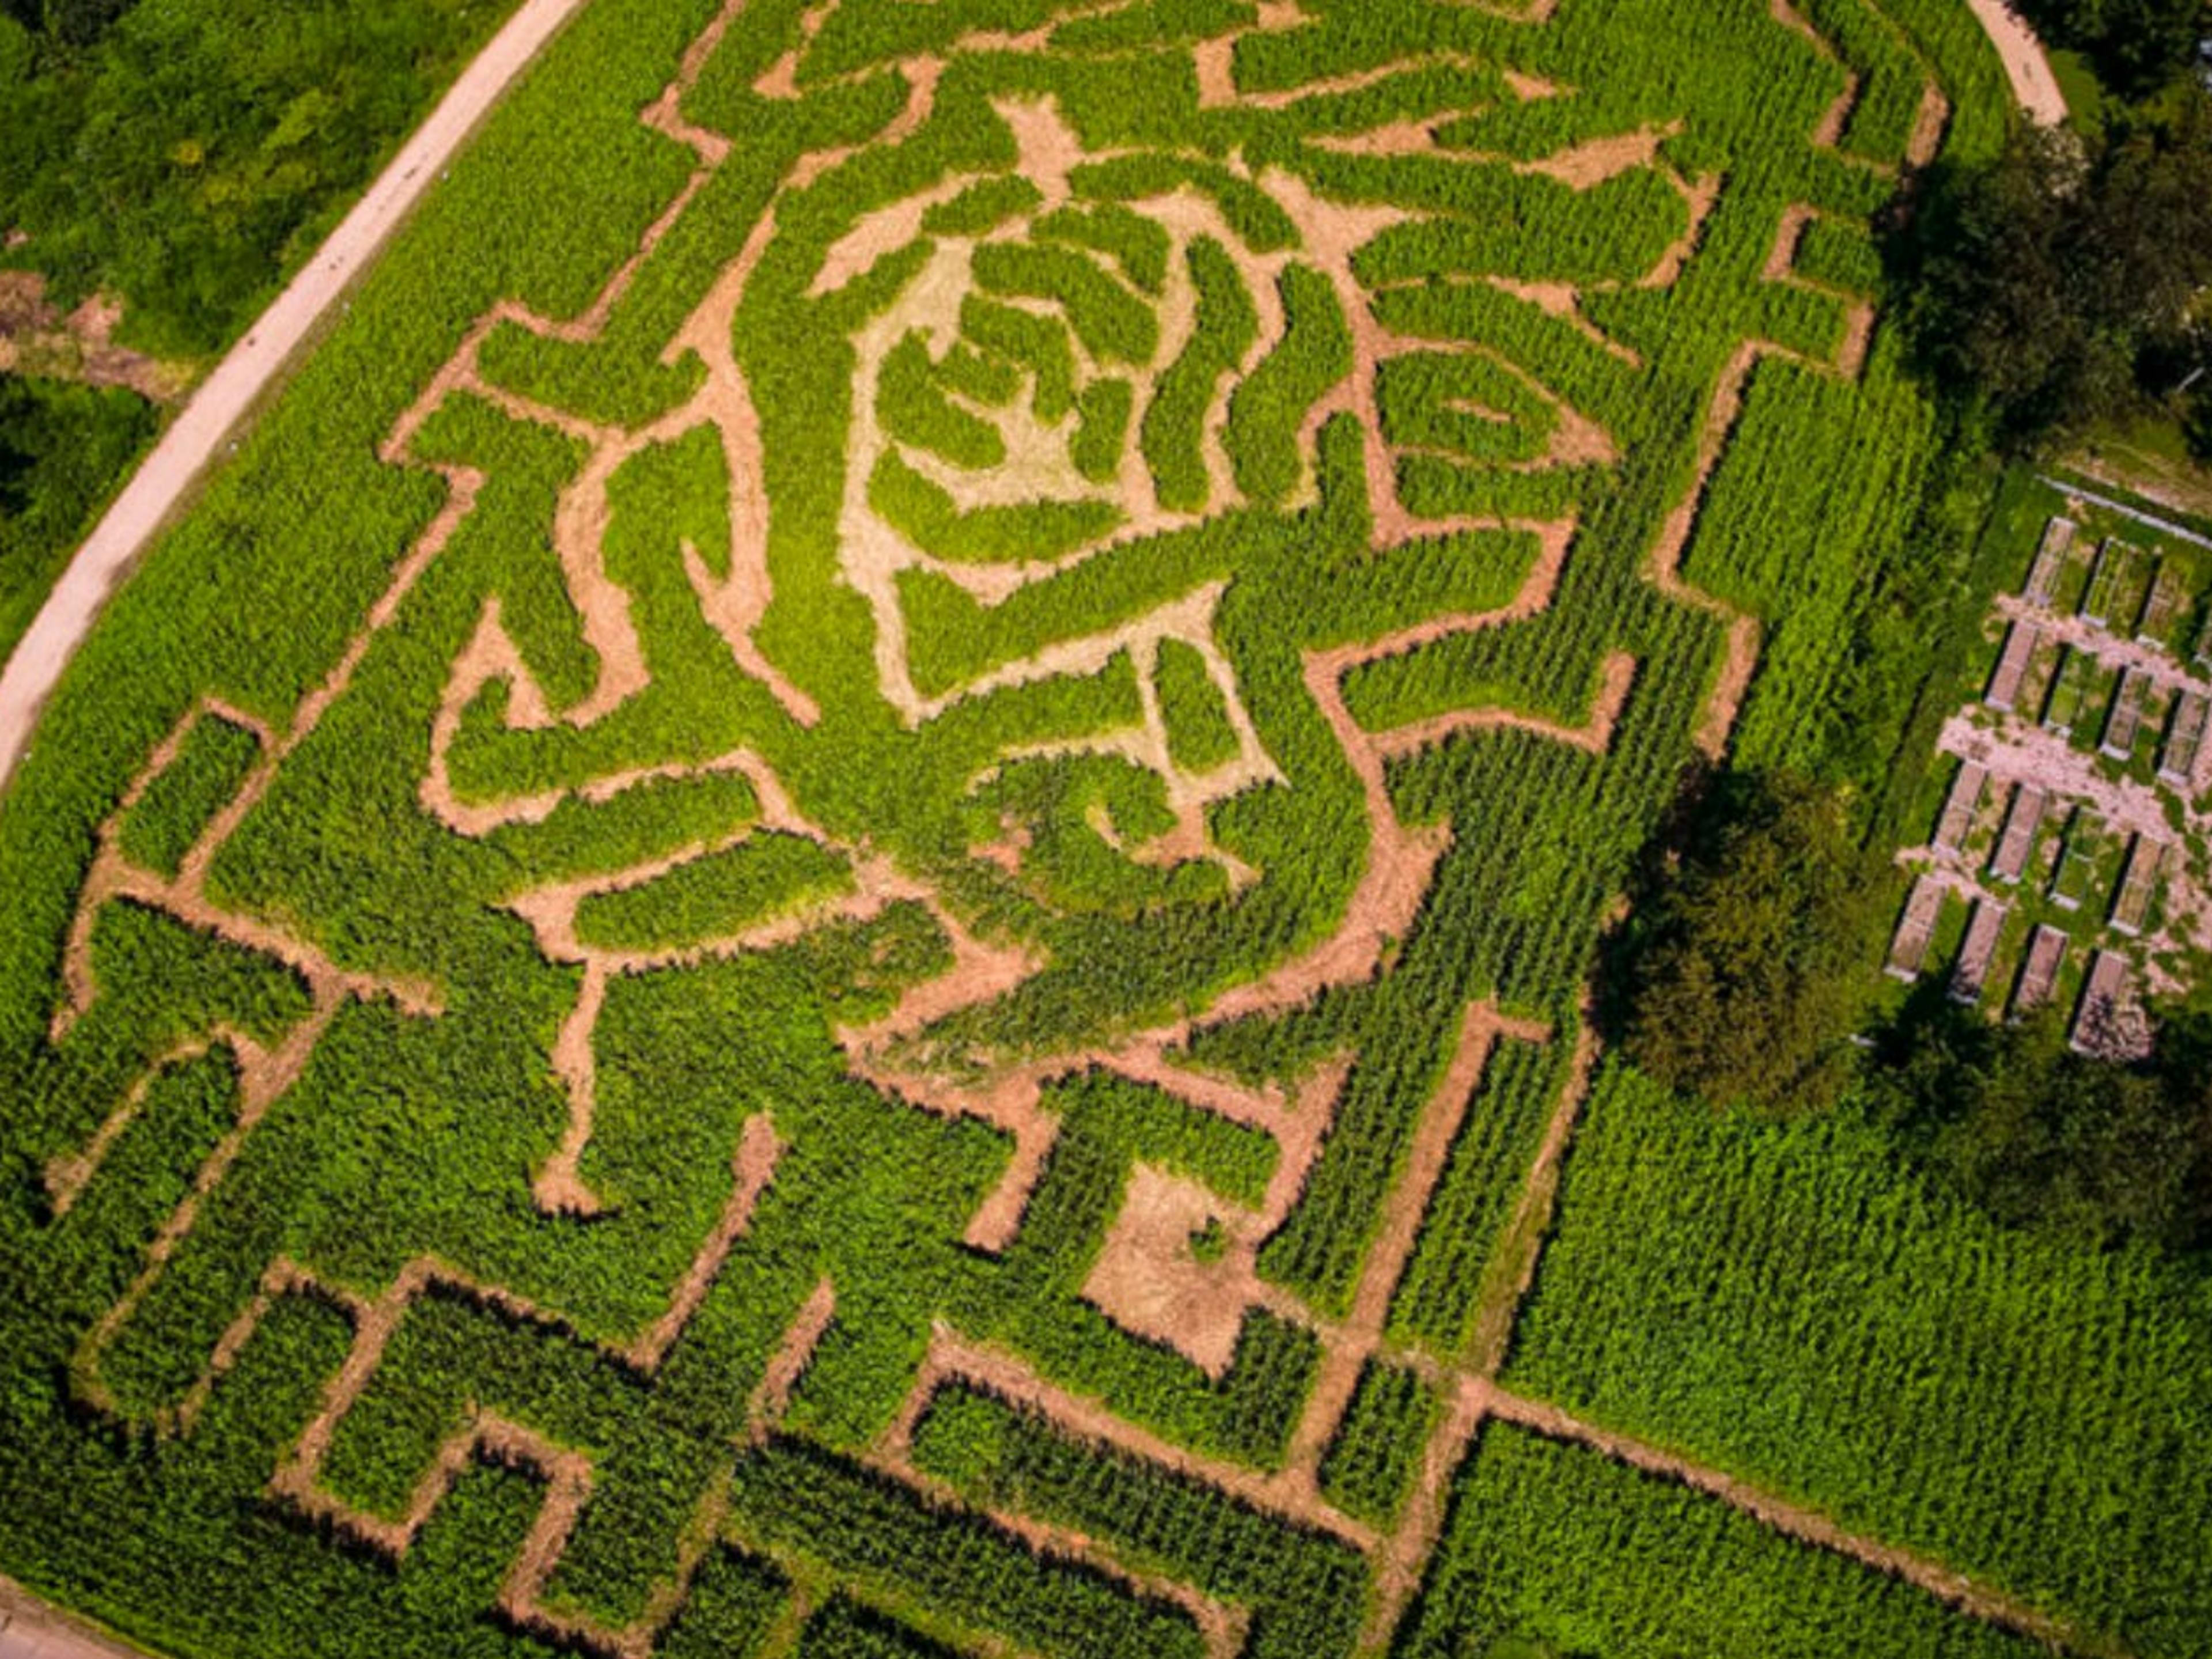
(840, 904)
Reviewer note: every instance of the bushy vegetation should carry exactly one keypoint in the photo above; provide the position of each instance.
(2038, 1136)
(2057, 286)
(63, 449)
(1737, 977)
(186, 156)
(2137, 45)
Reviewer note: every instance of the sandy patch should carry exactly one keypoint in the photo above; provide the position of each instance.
(1590, 163)
(1150, 1277)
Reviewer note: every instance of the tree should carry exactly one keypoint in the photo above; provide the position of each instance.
(2039, 1137)
(1740, 976)
(2038, 284)
(2136, 46)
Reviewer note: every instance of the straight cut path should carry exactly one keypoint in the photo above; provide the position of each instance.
(252, 368)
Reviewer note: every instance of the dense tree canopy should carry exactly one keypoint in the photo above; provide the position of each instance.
(61, 448)
(2040, 1136)
(2136, 46)
(2045, 283)
(183, 152)
(1737, 977)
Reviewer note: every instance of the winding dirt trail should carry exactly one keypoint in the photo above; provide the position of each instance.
(253, 367)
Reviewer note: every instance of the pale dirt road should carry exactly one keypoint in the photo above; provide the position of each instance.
(254, 364)
(31, 1630)
(2024, 64)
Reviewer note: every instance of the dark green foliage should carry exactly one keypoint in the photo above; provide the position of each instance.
(2039, 279)
(63, 450)
(178, 806)
(2137, 45)
(188, 155)
(2039, 1137)
(846, 1630)
(1733, 983)
(733, 1603)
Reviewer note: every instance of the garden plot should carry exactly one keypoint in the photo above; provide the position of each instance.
(923, 941)
(2090, 716)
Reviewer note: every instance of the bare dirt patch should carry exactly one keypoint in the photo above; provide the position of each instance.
(1152, 1279)
(39, 341)
(1590, 163)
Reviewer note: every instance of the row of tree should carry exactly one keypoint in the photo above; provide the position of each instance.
(2137, 46)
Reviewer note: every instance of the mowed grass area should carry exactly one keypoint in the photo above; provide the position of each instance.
(1786, 1304)
(836, 903)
